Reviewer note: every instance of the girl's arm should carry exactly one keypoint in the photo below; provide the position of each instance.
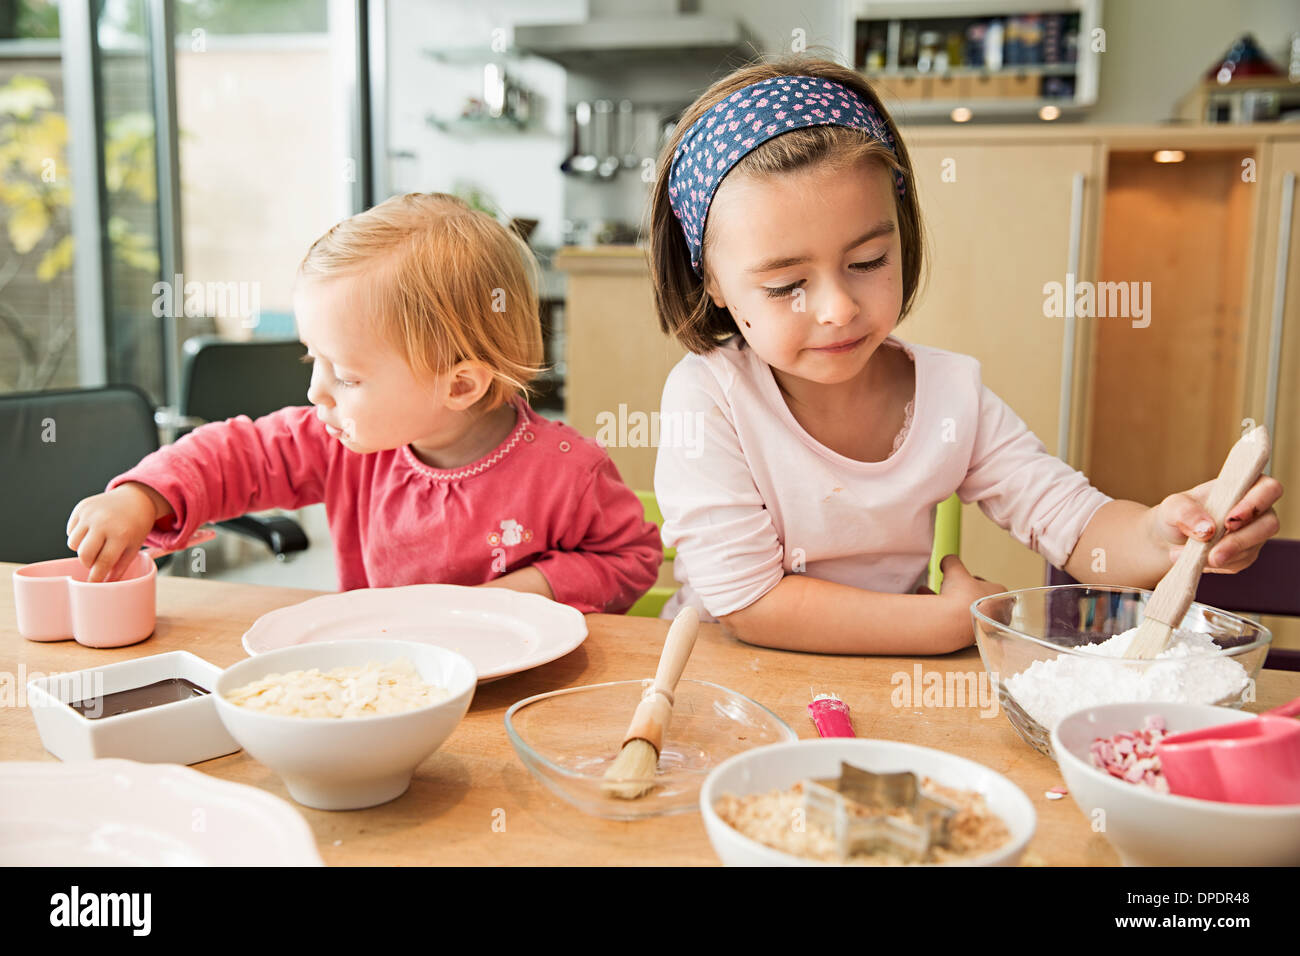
(822, 617)
(1130, 544)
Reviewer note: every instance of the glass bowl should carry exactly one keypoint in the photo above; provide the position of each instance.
(568, 737)
(1017, 629)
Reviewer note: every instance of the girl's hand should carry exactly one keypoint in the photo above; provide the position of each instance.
(1250, 522)
(107, 530)
(962, 588)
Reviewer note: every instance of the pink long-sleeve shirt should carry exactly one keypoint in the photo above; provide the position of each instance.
(545, 498)
(748, 496)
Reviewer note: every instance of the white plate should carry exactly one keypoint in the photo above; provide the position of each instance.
(501, 631)
(123, 813)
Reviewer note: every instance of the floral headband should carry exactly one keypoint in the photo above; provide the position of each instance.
(745, 120)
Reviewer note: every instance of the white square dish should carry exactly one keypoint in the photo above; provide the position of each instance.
(182, 732)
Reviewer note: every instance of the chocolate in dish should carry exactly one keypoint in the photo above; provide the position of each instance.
(169, 691)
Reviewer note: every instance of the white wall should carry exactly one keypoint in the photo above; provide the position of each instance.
(1157, 50)
(520, 172)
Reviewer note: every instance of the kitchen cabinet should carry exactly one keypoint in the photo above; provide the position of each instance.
(616, 358)
(1002, 221)
(1273, 341)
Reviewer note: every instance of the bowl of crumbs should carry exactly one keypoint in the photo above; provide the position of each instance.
(1110, 760)
(345, 723)
(862, 802)
(1050, 651)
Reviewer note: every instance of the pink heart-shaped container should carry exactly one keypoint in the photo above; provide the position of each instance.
(55, 602)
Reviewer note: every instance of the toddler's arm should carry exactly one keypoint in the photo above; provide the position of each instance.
(218, 471)
(609, 554)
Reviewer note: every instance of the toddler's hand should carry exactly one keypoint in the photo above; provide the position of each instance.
(1251, 522)
(107, 530)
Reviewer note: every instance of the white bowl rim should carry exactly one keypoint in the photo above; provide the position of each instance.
(1265, 638)
(1013, 848)
(515, 736)
(283, 720)
(1265, 811)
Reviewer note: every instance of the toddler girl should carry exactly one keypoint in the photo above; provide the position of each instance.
(786, 246)
(422, 327)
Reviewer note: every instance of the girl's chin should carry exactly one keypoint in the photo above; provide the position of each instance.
(830, 371)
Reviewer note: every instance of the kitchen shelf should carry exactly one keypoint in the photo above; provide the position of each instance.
(884, 37)
(1037, 69)
(492, 126)
(473, 55)
(991, 108)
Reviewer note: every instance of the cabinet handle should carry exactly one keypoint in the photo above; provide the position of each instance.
(1279, 307)
(1067, 347)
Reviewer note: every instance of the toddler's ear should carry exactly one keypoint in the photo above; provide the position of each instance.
(467, 382)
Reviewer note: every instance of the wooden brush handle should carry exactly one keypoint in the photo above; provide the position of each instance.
(656, 707)
(677, 650)
(1174, 593)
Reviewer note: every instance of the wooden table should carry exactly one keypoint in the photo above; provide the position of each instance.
(475, 779)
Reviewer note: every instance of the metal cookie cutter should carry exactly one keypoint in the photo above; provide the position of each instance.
(855, 809)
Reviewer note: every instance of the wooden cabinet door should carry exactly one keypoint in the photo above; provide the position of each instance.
(617, 359)
(1277, 303)
(999, 224)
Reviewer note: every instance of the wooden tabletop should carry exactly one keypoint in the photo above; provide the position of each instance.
(474, 803)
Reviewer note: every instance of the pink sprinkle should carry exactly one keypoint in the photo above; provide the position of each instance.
(1131, 756)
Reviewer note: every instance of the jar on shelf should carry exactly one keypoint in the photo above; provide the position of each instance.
(929, 51)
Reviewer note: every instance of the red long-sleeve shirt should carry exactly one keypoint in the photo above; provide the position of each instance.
(545, 498)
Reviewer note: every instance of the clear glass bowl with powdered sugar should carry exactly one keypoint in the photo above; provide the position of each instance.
(1046, 652)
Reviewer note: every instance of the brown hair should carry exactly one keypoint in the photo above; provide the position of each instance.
(685, 310)
(444, 283)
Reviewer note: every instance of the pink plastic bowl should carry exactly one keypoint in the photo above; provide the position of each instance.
(55, 602)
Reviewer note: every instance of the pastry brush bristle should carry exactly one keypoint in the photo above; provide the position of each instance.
(631, 773)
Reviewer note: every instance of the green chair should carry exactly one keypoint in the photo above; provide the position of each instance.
(947, 540)
(653, 601)
(947, 537)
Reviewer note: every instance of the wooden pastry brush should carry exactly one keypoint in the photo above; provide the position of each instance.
(1174, 594)
(631, 775)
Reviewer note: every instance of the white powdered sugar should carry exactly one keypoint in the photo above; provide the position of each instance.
(1192, 669)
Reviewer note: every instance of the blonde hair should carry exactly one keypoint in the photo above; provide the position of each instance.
(444, 284)
(685, 309)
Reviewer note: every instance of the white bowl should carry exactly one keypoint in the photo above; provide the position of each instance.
(780, 766)
(1148, 828)
(347, 763)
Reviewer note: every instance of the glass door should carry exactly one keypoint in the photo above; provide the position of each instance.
(171, 160)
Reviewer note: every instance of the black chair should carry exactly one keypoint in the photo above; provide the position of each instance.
(1271, 585)
(221, 379)
(60, 447)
